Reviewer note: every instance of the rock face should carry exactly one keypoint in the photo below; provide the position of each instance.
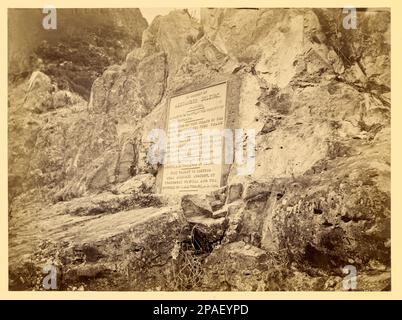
(318, 96)
(89, 250)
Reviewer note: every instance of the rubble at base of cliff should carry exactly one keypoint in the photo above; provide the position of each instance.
(83, 197)
(180, 247)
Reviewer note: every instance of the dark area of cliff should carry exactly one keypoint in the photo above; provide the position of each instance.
(82, 194)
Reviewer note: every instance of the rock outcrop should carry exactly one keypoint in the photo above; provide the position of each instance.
(84, 43)
(318, 97)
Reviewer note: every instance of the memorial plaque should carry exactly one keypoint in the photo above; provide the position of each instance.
(194, 161)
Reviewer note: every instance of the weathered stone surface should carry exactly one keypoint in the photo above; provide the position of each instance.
(126, 161)
(152, 73)
(220, 194)
(246, 219)
(38, 98)
(172, 34)
(255, 188)
(333, 212)
(75, 54)
(220, 213)
(64, 98)
(119, 99)
(139, 183)
(212, 230)
(194, 205)
(240, 248)
(104, 153)
(235, 192)
(107, 203)
(84, 271)
(318, 98)
(235, 220)
(124, 249)
(378, 281)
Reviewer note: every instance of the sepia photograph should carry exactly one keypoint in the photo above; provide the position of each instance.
(199, 149)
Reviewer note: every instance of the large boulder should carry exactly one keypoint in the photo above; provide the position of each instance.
(135, 254)
(173, 35)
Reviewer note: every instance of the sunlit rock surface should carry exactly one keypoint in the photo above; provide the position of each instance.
(84, 198)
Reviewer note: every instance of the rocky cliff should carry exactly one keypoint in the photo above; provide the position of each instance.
(84, 43)
(83, 197)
